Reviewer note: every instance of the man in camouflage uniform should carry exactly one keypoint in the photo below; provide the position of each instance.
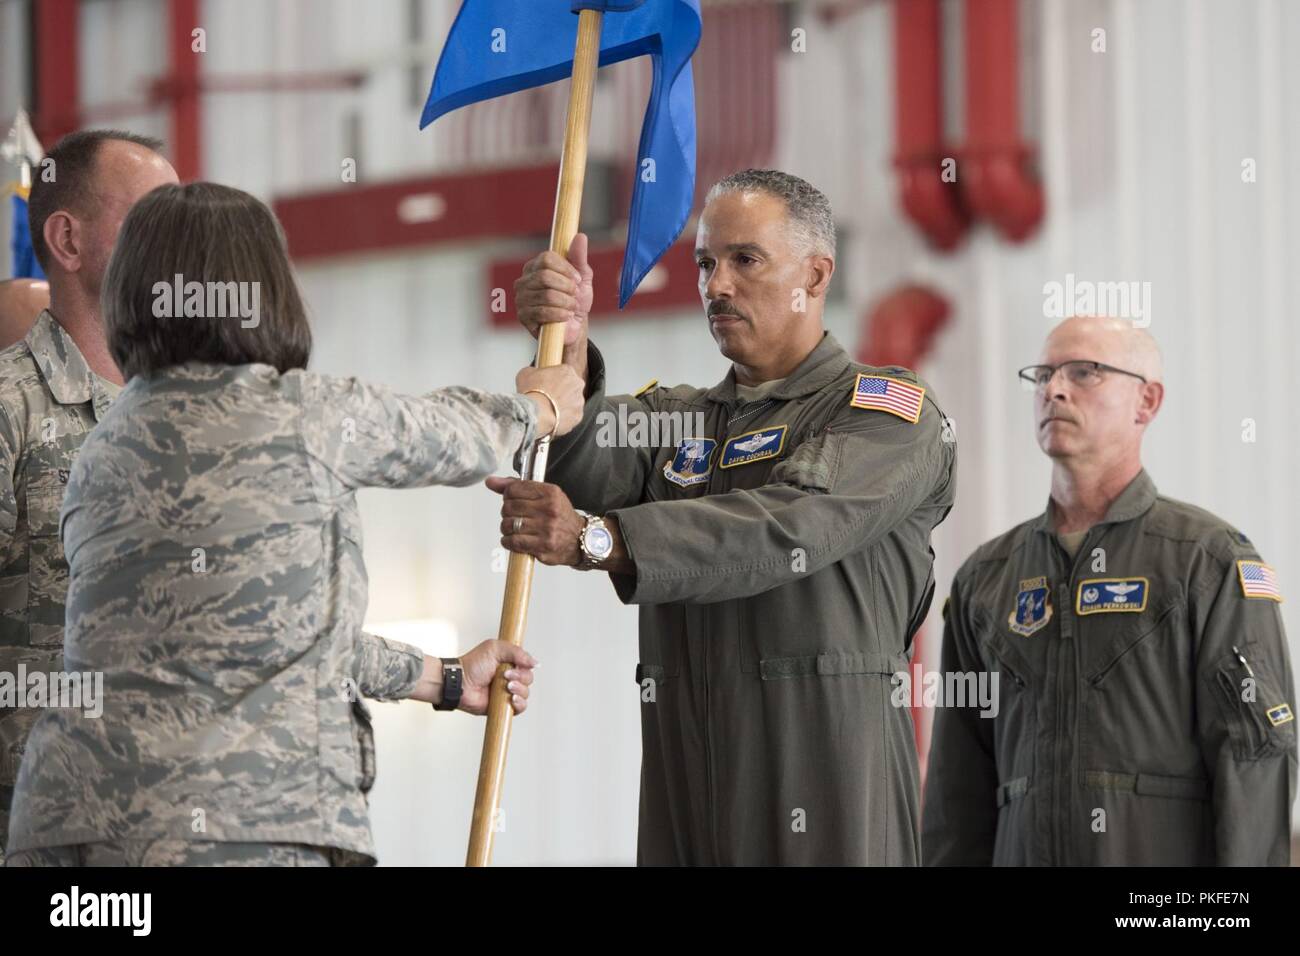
(55, 385)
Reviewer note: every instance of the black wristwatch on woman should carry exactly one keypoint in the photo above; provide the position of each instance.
(453, 682)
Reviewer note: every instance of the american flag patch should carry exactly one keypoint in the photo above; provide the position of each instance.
(891, 395)
(1258, 580)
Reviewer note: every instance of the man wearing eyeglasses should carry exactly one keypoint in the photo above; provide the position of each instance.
(1146, 698)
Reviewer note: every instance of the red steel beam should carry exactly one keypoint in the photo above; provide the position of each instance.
(401, 214)
(183, 83)
(672, 284)
(57, 71)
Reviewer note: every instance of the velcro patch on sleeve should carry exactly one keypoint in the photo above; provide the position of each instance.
(1258, 580)
(884, 394)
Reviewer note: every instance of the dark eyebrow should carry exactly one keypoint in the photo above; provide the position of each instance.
(748, 247)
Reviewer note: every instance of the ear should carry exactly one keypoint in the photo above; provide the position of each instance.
(63, 238)
(820, 270)
(1150, 399)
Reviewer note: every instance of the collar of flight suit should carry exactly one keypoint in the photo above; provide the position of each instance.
(64, 368)
(822, 366)
(1133, 502)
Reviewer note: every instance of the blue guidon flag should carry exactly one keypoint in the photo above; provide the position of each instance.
(885, 394)
(501, 46)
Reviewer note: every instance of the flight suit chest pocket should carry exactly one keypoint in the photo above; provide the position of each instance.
(1255, 708)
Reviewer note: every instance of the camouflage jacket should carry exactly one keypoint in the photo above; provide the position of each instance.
(49, 400)
(217, 582)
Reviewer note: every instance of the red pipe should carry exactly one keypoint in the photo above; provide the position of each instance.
(57, 61)
(183, 85)
(934, 205)
(997, 183)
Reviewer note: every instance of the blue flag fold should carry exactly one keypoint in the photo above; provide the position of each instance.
(502, 46)
(25, 265)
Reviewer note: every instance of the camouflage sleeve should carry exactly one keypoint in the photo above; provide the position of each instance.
(8, 499)
(370, 436)
(386, 669)
(1245, 706)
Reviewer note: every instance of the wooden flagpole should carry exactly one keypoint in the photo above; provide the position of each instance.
(550, 351)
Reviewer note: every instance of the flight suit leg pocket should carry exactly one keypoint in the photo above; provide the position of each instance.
(661, 643)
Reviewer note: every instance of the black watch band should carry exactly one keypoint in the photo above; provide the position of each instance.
(453, 677)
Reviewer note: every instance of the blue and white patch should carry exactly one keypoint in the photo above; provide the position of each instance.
(753, 446)
(1281, 714)
(692, 463)
(1033, 607)
(1110, 595)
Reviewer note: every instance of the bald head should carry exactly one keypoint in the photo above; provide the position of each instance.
(1111, 341)
(21, 301)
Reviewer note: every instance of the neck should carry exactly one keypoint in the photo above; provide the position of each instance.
(1083, 492)
(78, 314)
(779, 366)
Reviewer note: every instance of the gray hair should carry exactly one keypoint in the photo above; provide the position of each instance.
(808, 208)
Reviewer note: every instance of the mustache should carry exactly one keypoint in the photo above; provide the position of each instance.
(723, 308)
(1054, 414)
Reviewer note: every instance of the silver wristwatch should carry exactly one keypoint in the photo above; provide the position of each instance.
(595, 542)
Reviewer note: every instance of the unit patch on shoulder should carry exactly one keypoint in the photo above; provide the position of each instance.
(692, 463)
(1033, 607)
(753, 446)
(885, 394)
(1258, 580)
(1281, 714)
(1108, 595)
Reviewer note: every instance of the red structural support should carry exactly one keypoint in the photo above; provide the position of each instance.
(401, 214)
(183, 85)
(57, 55)
(672, 284)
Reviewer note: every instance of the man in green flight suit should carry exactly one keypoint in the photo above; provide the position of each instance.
(780, 559)
(1145, 714)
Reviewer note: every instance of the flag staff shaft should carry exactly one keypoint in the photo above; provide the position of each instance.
(550, 351)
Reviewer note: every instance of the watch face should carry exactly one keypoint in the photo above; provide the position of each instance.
(598, 541)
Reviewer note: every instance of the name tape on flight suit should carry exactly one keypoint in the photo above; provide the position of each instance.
(753, 446)
(1111, 595)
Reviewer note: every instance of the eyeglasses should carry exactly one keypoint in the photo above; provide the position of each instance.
(1078, 372)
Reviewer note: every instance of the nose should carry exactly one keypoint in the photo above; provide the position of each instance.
(717, 284)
